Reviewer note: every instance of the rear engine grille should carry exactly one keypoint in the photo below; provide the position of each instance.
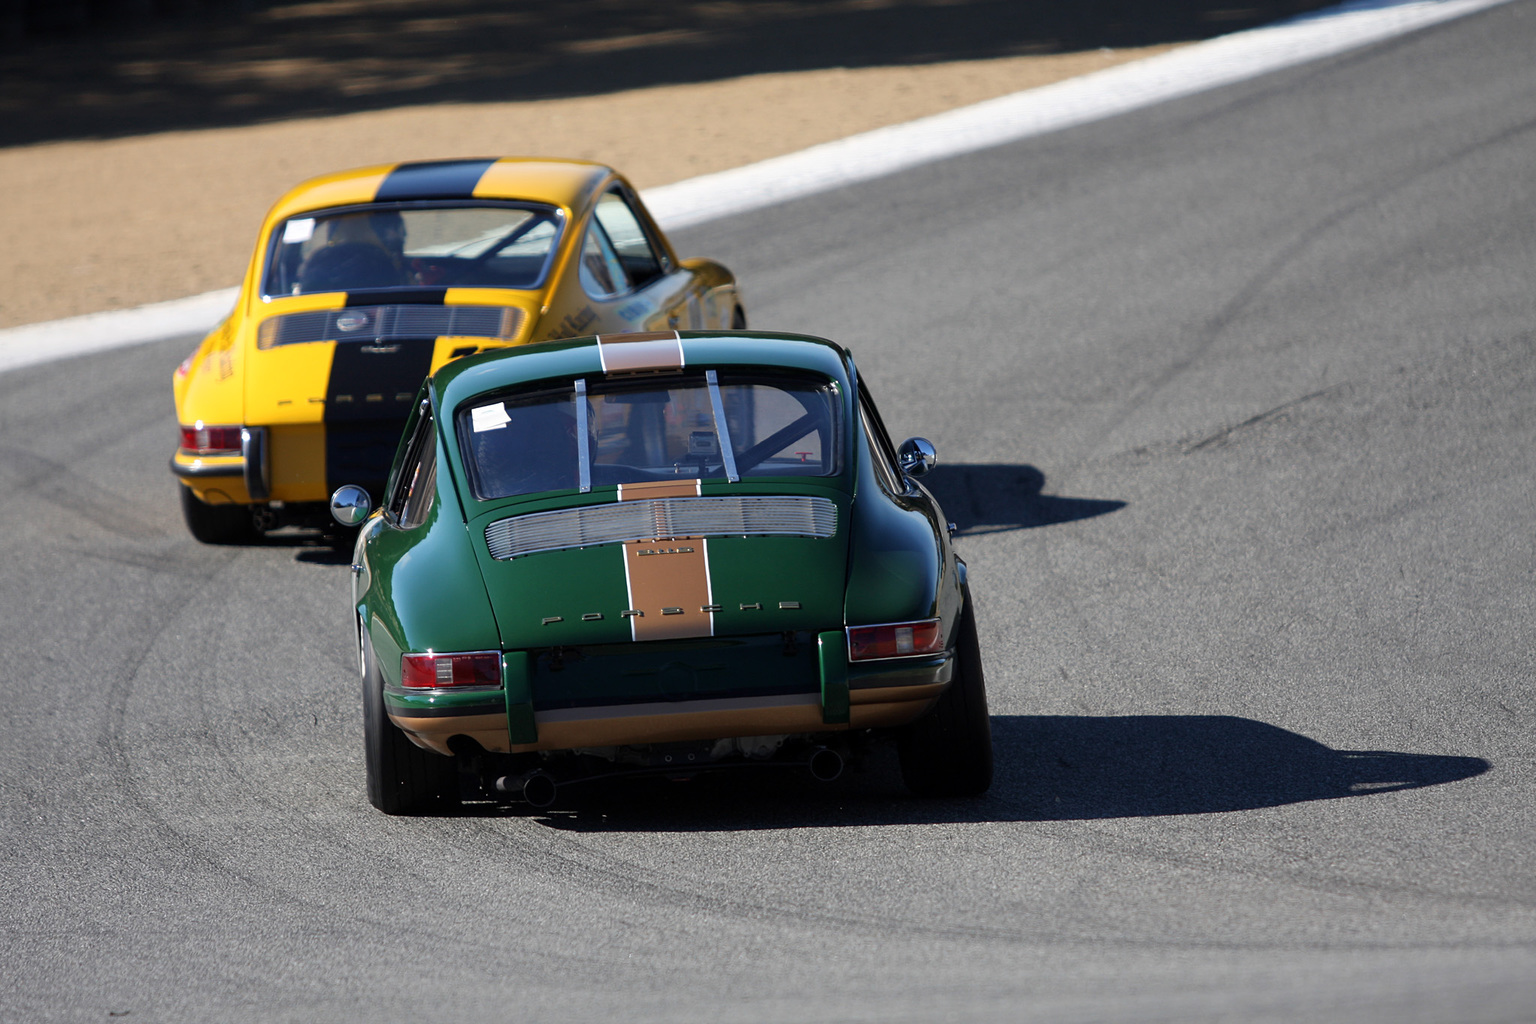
(659, 519)
(372, 323)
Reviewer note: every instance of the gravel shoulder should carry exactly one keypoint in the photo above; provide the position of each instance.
(125, 221)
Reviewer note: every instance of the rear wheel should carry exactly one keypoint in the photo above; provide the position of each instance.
(948, 752)
(216, 524)
(739, 319)
(402, 778)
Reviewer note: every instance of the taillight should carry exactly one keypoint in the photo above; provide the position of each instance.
(201, 439)
(433, 671)
(895, 640)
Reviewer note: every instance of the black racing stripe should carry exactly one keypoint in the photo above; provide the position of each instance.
(436, 179)
(361, 435)
(398, 297)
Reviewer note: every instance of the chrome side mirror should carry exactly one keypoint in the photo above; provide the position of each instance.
(916, 456)
(350, 505)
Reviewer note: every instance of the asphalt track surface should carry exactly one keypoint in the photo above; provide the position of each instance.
(1236, 399)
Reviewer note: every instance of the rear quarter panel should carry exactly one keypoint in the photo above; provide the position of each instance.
(211, 389)
(423, 587)
(901, 565)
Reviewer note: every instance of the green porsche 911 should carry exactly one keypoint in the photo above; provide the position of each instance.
(658, 552)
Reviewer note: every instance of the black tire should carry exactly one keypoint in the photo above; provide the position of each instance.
(402, 777)
(948, 752)
(739, 319)
(216, 524)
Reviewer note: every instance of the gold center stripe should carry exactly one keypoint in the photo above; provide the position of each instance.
(668, 578)
(643, 350)
(659, 489)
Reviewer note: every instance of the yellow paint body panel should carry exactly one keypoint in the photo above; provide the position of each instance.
(299, 449)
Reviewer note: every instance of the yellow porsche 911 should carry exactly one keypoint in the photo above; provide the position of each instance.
(365, 282)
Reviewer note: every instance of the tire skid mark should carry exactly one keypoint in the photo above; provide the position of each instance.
(60, 486)
(1338, 886)
(1218, 323)
(628, 879)
(327, 909)
(1224, 436)
(120, 754)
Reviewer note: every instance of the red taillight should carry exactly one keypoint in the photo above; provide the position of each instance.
(201, 439)
(895, 640)
(435, 671)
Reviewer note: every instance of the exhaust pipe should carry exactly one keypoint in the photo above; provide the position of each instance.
(826, 764)
(537, 788)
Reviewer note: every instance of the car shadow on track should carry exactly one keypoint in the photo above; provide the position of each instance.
(315, 547)
(1049, 768)
(988, 498)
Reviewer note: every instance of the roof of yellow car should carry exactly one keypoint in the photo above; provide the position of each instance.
(568, 183)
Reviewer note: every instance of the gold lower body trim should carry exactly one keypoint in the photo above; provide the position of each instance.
(635, 724)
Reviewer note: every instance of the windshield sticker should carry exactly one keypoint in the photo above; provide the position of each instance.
(489, 417)
(298, 230)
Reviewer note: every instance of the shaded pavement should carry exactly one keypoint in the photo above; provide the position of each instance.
(107, 78)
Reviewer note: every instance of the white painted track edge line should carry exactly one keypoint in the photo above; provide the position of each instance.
(95, 332)
(1199, 67)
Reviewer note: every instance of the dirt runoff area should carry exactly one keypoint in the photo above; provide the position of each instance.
(122, 222)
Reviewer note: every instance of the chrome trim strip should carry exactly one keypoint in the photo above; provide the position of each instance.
(199, 470)
(722, 430)
(583, 448)
(885, 674)
(661, 519)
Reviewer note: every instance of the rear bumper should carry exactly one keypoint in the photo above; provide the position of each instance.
(216, 479)
(885, 695)
(283, 463)
(240, 477)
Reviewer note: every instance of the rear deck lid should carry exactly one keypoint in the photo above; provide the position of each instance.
(667, 561)
(655, 501)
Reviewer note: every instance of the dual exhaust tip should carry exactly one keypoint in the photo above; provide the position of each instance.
(539, 788)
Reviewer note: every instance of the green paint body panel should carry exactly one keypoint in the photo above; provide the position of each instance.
(425, 703)
(832, 653)
(896, 573)
(517, 681)
(557, 584)
(901, 566)
(771, 571)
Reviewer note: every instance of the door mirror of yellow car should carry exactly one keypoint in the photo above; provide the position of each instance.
(350, 505)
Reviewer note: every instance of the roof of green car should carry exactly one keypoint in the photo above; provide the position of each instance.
(578, 357)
